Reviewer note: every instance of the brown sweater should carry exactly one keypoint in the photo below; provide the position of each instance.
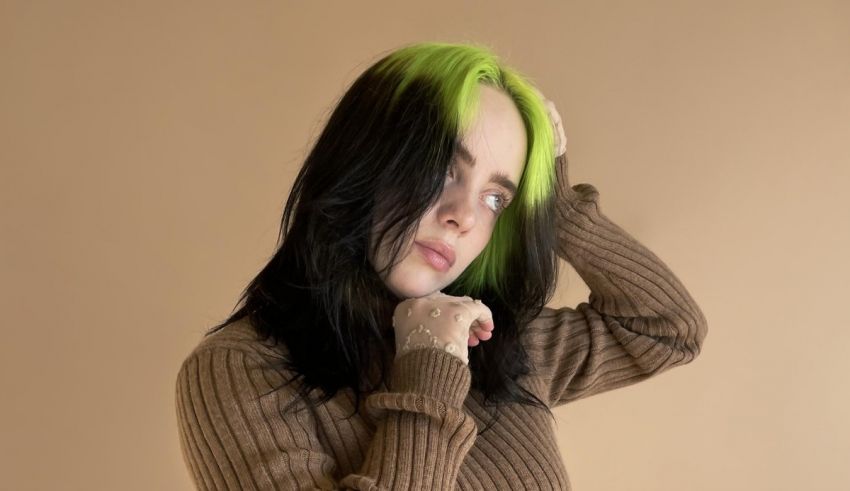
(421, 432)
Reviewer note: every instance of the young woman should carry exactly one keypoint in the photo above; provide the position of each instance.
(399, 338)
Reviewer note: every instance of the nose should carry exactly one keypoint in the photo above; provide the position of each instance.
(457, 210)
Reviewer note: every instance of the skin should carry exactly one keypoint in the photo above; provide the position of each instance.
(465, 213)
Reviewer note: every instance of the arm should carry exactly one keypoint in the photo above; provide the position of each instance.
(234, 438)
(639, 320)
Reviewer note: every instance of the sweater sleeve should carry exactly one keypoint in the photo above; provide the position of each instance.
(235, 434)
(638, 321)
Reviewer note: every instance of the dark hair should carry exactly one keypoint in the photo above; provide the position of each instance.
(381, 161)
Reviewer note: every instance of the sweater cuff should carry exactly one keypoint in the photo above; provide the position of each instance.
(432, 372)
(577, 195)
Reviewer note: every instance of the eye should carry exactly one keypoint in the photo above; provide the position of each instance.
(498, 202)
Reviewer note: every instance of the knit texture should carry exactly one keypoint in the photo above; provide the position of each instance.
(421, 432)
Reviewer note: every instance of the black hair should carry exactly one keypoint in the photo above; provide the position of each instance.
(381, 161)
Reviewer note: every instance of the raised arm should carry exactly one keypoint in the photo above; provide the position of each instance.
(639, 320)
(233, 437)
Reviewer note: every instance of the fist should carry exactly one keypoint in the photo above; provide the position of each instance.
(442, 321)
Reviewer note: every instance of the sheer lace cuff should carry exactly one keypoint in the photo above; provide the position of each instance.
(421, 337)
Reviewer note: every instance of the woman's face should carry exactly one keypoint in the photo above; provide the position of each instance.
(460, 223)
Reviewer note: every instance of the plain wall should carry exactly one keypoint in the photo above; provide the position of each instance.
(147, 149)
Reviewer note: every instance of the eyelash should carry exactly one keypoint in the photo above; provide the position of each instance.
(504, 198)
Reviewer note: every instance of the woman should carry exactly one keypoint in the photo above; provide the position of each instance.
(405, 307)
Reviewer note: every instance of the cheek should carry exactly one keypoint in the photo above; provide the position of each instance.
(483, 243)
(381, 259)
(475, 246)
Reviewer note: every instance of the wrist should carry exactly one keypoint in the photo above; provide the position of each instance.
(432, 372)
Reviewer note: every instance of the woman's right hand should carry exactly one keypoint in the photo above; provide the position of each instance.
(441, 321)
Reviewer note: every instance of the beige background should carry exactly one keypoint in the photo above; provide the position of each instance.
(147, 149)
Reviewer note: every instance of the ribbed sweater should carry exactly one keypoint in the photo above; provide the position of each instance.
(421, 431)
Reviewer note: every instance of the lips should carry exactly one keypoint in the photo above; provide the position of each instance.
(441, 248)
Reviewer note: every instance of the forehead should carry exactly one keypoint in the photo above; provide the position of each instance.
(496, 139)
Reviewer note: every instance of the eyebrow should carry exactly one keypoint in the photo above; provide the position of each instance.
(499, 178)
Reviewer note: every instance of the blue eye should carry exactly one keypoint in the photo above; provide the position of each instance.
(501, 203)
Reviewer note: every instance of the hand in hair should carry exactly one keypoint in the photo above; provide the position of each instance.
(557, 125)
(567, 194)
(441, 321)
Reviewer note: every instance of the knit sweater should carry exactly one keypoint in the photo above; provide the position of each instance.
(421, 432)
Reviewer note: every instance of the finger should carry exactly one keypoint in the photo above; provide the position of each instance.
(483, 325)
(557, 127)
(553, 112)
(484, 335)
(476, 311)
(481, 333)
(484, 322)
(478, 328)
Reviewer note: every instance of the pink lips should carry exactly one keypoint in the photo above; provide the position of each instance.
(440, 255)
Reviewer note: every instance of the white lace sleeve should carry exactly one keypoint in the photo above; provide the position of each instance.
(417, 329)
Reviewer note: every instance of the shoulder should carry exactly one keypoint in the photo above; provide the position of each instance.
(233, 376)
(233, 364)
(239, 336)
(235, 346)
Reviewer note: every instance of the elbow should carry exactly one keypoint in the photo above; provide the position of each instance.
(686, 338)
(693, 339)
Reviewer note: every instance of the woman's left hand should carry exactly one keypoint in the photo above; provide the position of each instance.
(557, 125)
(567, 195)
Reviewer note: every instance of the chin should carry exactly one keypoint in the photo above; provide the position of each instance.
(416, 283)
(412, 289)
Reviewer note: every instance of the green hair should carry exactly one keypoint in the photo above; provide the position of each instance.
(455, 72)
